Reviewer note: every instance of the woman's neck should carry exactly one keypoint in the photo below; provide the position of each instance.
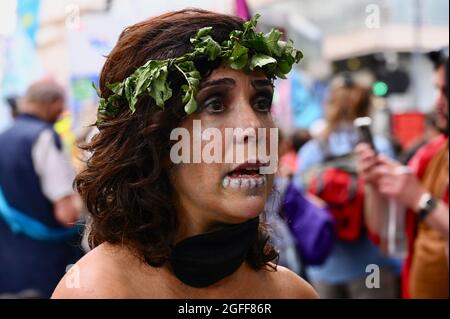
(193, 220)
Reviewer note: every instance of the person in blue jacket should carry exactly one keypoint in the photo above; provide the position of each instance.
(38, 208)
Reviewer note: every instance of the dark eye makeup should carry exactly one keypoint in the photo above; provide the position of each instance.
(262, 101)
(213, 104)
(215, 100)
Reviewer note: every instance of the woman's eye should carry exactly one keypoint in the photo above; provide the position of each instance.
(214, 105)
(262, 104)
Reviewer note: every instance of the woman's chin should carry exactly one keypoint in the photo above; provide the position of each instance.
(242, 209)
(247, 201)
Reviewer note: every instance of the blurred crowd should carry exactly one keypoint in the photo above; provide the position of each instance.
(321, 213)
(331, 212)
(330, 170)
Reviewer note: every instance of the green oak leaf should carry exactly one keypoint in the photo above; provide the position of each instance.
(192, 77)
(97, 90)
(159, 88)
(284, 67)
(261, 60)
(143, 81)
(271, 40)
(203, 32)
(116, 88)
(187, 66)
(239, 57)
(298, 56)
(130, 95)
(212, 49)
(186, 95)
(191, 105)
(251, 24)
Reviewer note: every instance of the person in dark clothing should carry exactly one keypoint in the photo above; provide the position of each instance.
(38, 208)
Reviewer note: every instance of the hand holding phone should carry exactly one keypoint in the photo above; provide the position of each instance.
(365, 135)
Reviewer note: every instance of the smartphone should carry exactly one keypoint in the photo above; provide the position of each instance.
(365, 134)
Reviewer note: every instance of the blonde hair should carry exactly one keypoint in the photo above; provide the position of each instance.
(345, 103)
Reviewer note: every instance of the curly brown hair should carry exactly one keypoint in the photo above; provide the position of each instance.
(125, 183)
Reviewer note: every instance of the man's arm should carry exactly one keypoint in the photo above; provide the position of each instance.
(56, 175)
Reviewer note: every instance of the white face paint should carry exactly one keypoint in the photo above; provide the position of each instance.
(244, 182)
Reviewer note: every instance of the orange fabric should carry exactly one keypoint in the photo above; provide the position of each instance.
(426, 268)
(429, 266)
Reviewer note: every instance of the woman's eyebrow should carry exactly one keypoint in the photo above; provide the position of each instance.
(257, 84)
(224, 81)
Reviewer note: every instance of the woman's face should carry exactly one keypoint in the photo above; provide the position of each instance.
(226, 189)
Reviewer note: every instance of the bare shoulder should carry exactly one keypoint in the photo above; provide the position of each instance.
(102, 273)
(287, 284)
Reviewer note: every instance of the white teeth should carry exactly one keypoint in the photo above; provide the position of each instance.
(226, 182)
(235, 183)
(245, 182)
(261, 180)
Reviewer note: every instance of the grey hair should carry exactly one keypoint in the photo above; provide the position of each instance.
(44, 93)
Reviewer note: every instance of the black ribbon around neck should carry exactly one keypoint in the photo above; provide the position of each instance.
(205, 259)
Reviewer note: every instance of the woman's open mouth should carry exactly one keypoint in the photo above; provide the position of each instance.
(245, 176)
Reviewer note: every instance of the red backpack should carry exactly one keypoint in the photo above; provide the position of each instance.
(336, 182)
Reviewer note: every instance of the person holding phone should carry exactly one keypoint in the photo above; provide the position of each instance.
(343, 274)
(422, 186)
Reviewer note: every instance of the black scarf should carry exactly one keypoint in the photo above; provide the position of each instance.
(205, 259)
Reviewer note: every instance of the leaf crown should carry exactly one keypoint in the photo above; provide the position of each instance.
(244, 50)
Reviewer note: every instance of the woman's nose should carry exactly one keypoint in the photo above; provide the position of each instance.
(247, 117)
(249, 122)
